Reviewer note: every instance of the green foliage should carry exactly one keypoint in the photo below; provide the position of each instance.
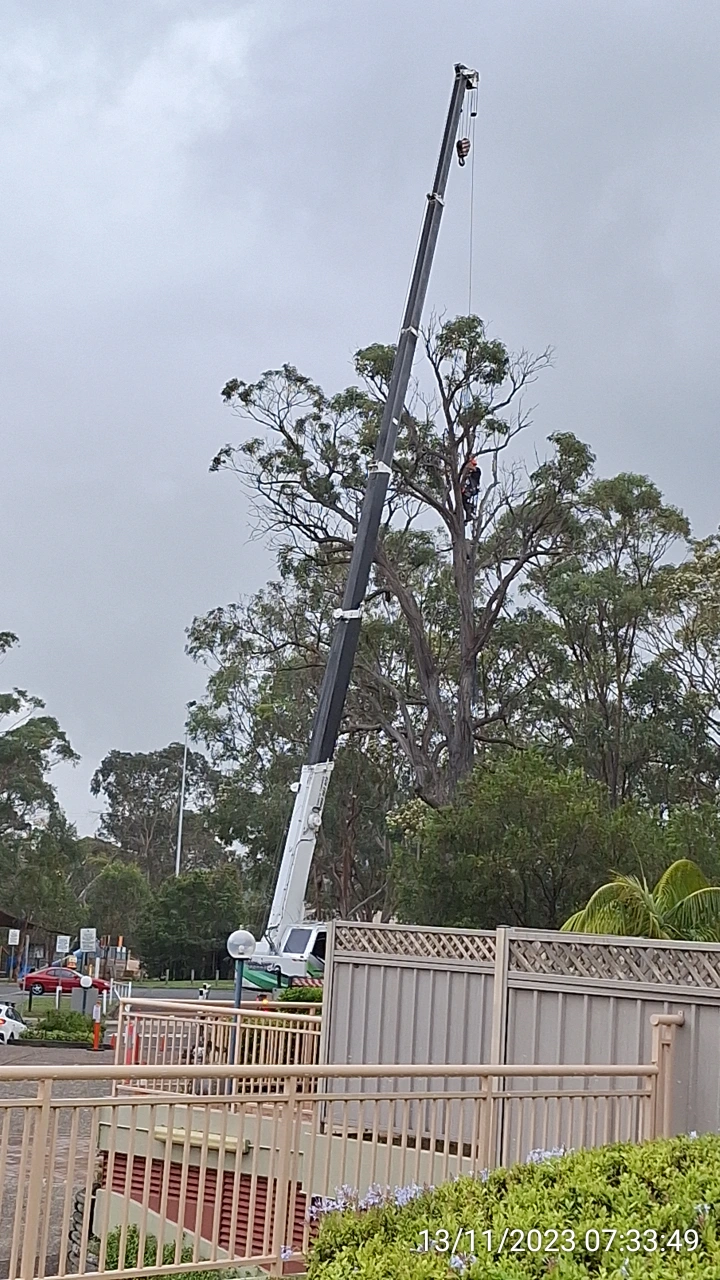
(142, 793)
(610, 708)
(64, 1026)
(39, 885)
(150, 1255)
(522, 843)
(57, 1037)
(682, 906)
(267, 665)
(187, 922)
(38, 847)
(301, 995)
(664, 1187)
(116, 899)
(436, 673)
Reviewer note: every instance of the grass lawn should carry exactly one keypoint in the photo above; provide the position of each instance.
(40, 1004)
(181, 984)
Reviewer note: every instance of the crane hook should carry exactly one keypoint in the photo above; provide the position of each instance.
(463, 149)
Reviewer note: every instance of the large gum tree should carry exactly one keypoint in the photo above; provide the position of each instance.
(437, 673)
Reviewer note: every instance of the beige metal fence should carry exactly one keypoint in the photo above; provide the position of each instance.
(156, 1033)
(402, 993)
(102, 1183)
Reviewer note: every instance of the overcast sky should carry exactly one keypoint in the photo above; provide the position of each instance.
(195, 191)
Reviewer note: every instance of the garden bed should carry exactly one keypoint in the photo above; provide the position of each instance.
(44, 1042)
(623, 1212)
(62, 1030)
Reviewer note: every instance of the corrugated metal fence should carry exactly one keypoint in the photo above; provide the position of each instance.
(411, 994)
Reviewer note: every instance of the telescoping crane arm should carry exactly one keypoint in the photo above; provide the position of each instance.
(288, 902)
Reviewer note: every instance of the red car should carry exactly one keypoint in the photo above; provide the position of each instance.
(46, 981)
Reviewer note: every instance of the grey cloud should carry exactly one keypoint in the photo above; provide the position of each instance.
(198, 191)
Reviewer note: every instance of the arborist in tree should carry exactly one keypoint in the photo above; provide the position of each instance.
(469, 489)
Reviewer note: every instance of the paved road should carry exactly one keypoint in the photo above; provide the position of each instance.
(11, 991)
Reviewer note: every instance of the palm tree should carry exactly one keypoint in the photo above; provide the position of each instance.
(683, 906)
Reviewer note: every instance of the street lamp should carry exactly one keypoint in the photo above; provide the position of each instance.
(241, 947)
(178, 851)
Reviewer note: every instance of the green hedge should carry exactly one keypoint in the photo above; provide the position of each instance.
(667, 1187)
(58, 1037)
(301, 995)
(62, 1025)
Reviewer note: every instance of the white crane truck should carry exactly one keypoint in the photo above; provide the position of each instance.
(292, 945)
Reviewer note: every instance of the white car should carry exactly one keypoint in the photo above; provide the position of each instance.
(11, 1023)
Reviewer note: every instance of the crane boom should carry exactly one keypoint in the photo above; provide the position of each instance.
(288, 901)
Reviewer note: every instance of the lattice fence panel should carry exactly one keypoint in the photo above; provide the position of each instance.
(603, 961)
(415, 944)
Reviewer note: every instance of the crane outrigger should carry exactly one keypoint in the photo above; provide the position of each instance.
(292, 945)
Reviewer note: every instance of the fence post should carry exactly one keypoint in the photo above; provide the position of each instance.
(37, 1181)
(498, 1036)
(282, 1184)
(485, 1140)
(663, 1039)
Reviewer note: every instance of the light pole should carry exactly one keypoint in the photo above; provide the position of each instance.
(241, 946)
(178, 851)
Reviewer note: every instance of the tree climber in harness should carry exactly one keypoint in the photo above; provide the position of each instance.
(469, 490)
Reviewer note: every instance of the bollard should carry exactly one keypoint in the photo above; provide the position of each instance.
(97, 1015)
(58, 993)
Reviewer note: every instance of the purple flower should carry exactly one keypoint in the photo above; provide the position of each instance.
(462, 1262)
(286, 1253)
(374, 1197)
(403, 1196)
(540, 1154)
(347, 1198)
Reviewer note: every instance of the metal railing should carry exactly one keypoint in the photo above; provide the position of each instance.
(155, 1033)
(124, 1185)
(119, 990)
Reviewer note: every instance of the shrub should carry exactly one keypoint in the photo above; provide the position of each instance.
(59, 1025)
(58, 1037)
(132, 1246)
(301, 995)
(668, 1187)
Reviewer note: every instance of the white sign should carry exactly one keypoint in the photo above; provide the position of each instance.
(97, 1012)
(86, 982)
(13, 937)
(88, 939)
(62, 945)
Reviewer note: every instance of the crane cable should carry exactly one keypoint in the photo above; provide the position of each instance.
(473, 118)
(469, 133)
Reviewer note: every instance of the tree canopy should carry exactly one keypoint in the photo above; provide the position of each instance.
(142, 795)
(521, 844)
(188, 920)
(534, 710)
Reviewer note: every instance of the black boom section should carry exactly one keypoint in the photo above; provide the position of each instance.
(336, 679)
